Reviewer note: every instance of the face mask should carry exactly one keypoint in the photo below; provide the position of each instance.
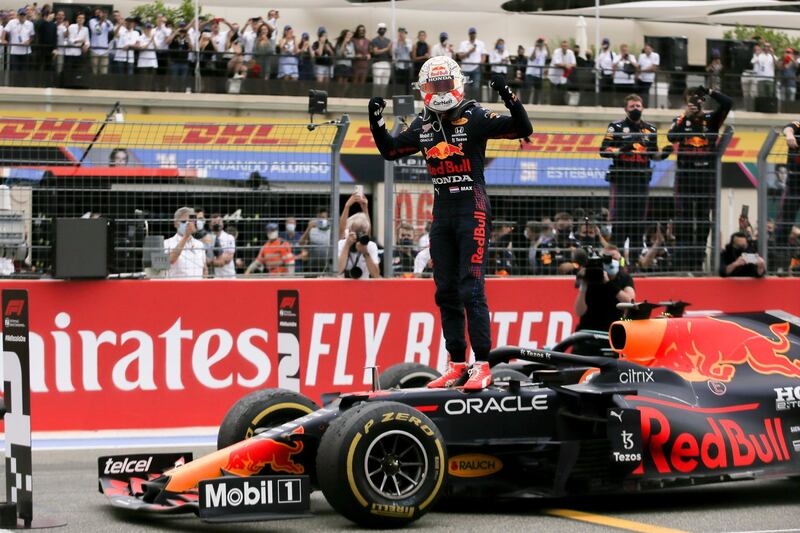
(216, 227)
(611, 269)
(500, 47)
(182, 228)
(443, 40)
(381, 32)
(635, 115)
(272, 235)
(740, 249)
(322, 224)
(290, 227)
(200, 224)
(405, 242)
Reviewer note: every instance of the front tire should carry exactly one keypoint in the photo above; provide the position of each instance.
(261, 409)
(382, 464)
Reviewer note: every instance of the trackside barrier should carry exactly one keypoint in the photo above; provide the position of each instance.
(159, 360)
(17, 511)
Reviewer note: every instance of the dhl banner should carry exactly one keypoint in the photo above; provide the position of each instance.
(139, 354)
(78, 129)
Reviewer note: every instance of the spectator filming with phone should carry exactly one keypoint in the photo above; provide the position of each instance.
(739, 258)
(187, 255)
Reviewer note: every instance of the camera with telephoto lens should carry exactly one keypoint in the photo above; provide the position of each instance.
(355, 271)
(593, 271)
(698, 97)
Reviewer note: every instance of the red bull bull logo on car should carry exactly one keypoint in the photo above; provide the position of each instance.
(715, 354)
(443, 150)
(253, 455)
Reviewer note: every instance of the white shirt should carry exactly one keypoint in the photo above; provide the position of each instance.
(126, 37)
(357, 259)
(61, 37)
(227, 243)
(100, 32)
(645, 61)
(76, 37)
(421, 260)
(162, 33)
(472, 61)
(220, 40)
(273, 23)
(606, 62)
(147, 54)
(248, 42)
(537, 59)
(19, 33)
(191, 262)
(499, 61)
(764, 65)
(557, 75)
(440, 49)
(620, 76)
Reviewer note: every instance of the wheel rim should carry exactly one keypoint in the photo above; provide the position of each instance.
(395, 465)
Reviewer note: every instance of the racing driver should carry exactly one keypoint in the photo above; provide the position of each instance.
(452, 133)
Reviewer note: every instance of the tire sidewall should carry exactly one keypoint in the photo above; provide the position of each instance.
(357, 499)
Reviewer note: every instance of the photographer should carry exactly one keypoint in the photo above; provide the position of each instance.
(631, 143)
(625, 69)
(358, 255)
(696, 131)
(601, 286)
(740, 260)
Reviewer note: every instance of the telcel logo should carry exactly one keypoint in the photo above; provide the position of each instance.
(127, 466)
(474, 465)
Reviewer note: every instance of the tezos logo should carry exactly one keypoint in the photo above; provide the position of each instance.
(636, 376)
(787, 398)
(717, 387)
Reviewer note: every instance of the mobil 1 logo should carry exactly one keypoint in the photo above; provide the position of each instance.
(625, 437)
(234, 499)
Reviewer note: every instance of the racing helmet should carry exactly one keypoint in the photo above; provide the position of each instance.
(441, 84)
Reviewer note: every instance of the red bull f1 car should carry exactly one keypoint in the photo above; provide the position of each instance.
(683, 401)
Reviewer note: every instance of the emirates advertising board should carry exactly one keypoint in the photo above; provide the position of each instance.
(168, 354)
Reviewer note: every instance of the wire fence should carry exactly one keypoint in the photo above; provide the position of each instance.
(553, 196)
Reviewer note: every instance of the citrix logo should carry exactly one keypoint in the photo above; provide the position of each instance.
(636, 376)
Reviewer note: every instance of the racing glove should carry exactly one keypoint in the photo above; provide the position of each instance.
(498, 83)
(376, 106)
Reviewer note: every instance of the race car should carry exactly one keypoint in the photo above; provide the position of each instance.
(690, 400)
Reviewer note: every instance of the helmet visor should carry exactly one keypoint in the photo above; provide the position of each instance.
(438, 86)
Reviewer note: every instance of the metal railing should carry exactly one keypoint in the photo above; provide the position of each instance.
(256, 73)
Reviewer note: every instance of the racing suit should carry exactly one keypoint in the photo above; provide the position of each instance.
(790, 201)
(694, 191)
(454, 147)
(631, 146)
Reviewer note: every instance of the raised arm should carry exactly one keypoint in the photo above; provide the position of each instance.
(391, 148)
(516, 125)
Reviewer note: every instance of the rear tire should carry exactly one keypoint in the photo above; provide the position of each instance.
(502, 373)
(407, 376)
(382, 464)
(265, 409)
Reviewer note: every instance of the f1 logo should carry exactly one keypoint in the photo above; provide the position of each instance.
(287, 302)
(15, 307)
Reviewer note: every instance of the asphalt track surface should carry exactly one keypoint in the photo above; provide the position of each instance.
(65, 485)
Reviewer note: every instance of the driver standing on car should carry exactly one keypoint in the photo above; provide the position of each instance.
(452, 133)
(597, 300)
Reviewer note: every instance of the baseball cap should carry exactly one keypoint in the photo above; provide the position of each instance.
(287, 28)
(402, 29)
(443, 35)
(540, 40)
(21, 11)
(321, 30)
(181, 23)
(305, 35)
(148, 25)
(381, 25)
(272, 226)
(472, 30)
(606, 41)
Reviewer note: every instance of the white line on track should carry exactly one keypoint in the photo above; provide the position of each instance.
(767, 531)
